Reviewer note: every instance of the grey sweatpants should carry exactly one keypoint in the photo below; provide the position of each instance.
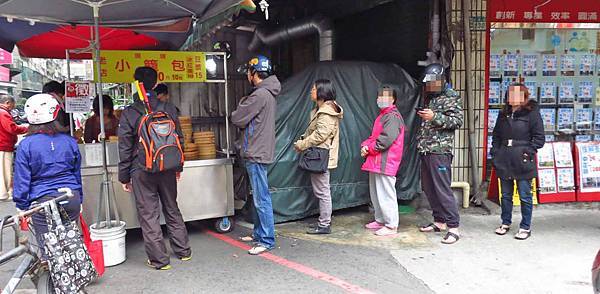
(320, 184)
(383, 197)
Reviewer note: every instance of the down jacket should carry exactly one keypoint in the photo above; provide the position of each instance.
(385, 143)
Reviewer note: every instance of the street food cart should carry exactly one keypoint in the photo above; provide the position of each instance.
(205, 189)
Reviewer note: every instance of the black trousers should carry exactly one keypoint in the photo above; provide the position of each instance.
(436, 177)
(151, 191)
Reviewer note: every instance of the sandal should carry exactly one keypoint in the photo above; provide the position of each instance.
(247, 239)
(430, 228)
(258, 249)
(446, 239)
(523, 234)
(502, 230)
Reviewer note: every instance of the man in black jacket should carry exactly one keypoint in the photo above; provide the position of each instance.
(151, 188)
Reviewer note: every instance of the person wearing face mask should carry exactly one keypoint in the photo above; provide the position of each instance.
(255, 116)
(383, 154)
(517, 135)
(323, 132)
(440, 118)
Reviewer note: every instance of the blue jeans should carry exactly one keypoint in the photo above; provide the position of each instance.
(264, 226)
(526, 197)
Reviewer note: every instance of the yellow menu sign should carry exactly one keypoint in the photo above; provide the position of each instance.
(118, 66)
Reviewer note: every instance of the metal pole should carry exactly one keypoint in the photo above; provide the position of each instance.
(68, 79)
(105, 180)
(226, 102)
(466, 13)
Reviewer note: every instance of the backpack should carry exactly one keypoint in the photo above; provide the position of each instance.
(159, 148)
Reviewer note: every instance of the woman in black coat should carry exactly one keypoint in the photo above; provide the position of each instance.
(518, 133)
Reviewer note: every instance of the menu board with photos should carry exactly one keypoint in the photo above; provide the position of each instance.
(586, 92)
(586, 65)
(545, 156)
(548, 93)
(563, 156)
(547, 179)
(549, 65)
(496, 65)
(511, 65)
(565, 118)
(583, 119)
(532, 89)
(530, 65)
(566, 179)
(589, 166)
(495, 93)
(549, 118)
(567, 65)
(492, 118)
(566, 92)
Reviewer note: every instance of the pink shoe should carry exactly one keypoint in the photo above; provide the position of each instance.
(385, 231)
(374, 225)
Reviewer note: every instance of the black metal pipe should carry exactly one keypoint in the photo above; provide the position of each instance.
(317, 24)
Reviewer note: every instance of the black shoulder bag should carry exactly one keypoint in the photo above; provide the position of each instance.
(315, 159)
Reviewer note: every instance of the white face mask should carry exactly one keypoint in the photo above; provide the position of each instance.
(384, 104)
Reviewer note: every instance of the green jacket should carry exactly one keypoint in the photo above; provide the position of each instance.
(437, 136)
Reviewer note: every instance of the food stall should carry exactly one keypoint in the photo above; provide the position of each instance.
(205, 190)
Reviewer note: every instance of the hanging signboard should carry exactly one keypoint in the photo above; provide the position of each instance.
(77, 97)
(118, 66)
(573, 11)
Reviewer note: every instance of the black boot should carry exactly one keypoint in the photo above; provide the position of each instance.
(319, 230)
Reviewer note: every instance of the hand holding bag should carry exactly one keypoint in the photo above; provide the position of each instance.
(94, 247)
(314, 160)
(71, 267)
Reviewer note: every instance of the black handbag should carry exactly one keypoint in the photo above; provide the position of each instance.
(314, 160)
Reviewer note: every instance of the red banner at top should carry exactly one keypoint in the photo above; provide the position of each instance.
(544, 11)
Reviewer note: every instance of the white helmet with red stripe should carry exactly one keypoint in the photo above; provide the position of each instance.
(41, 109)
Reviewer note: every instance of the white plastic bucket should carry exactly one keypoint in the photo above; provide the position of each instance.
(113, 241)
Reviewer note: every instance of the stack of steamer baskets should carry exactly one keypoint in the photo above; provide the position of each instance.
(205, 142)
(191, 150)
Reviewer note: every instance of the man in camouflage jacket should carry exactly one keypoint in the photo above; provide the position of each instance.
(441, 117)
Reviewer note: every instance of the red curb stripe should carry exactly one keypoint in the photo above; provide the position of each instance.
(350, 288)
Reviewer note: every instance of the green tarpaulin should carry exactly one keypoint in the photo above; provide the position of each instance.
(356, 84)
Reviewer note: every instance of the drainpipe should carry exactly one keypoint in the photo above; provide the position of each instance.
(317, 24)
(470, 112)
(466, 192)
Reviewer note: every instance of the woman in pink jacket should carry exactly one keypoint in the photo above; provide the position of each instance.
(383, 154)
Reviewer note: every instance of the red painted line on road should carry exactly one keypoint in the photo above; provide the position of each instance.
(350, 288)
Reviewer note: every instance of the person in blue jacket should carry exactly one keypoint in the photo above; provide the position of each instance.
(46, 160)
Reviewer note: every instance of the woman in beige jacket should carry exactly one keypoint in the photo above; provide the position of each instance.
(324, 132)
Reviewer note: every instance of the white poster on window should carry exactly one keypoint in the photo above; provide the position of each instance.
(547, 179)
(566, 179)
(78, 97)
(563, 154)
(589, 166)
(545, 156)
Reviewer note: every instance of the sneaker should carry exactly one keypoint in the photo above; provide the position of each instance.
(374, 225)
(162, 268)
(385, 231)
(186, 258)
(258, 249)
(319, 230)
